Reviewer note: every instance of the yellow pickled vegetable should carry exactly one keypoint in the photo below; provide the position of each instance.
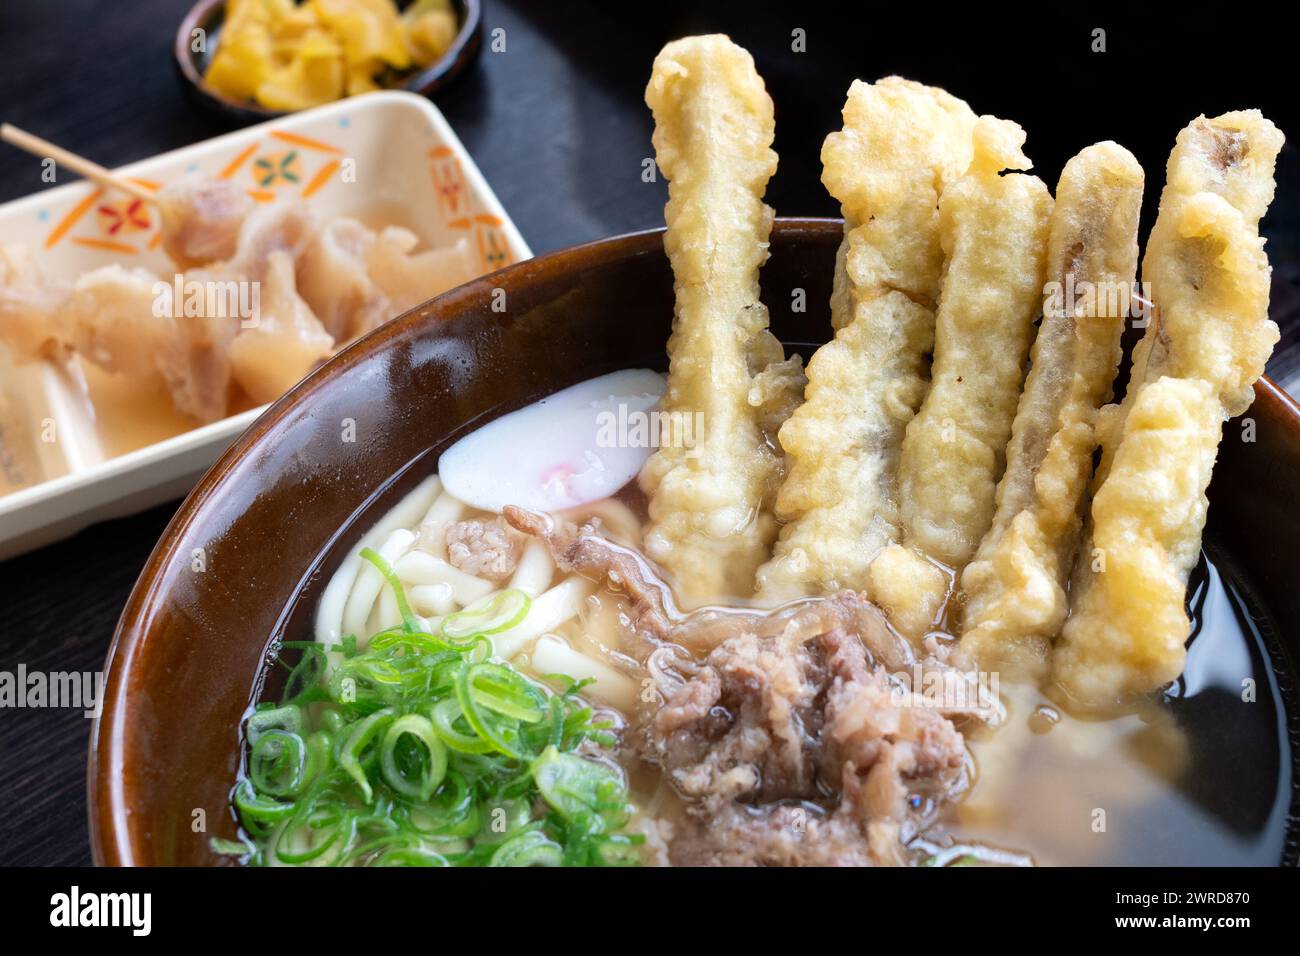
(314, 76)
(289, 55)
(244, 65)
(370, 30)
(430, 33)
(360, 79)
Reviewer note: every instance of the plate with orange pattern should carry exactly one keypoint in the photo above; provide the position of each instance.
(77, 444)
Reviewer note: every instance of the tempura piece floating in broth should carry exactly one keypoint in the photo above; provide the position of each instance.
(902, 142)
(1015, 599)
(1206, 266)
(994, 231)
(710, 524)
(1128, 623)
(1193, 370)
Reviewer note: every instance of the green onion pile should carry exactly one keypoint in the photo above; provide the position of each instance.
(421, 751)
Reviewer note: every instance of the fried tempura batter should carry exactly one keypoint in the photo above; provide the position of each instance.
(902, 143)
(910, 589)
(1231, 157)
(1128, 626)
(1015, 586)
(1209, 278)
(1206, 265)
(713, 134)
(994, 231)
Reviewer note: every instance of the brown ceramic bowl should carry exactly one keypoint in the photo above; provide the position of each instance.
(269, 517)
(209, 16)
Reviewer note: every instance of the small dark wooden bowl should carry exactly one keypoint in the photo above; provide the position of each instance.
(209, 16)
(271, 516)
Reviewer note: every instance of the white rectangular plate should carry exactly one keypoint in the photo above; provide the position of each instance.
(386, 157)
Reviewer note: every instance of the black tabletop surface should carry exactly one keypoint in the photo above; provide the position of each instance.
(557, 125)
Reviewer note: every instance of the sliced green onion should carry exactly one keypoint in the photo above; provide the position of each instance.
(428, 755)
(575, 786)
(320, 755)
(409, 620)
(278, 763)
(257, 809)
(507, 692)
(531, 848)
(378, 672)
(453, 813)
(355, 749)
(501, 733)
(224, 847)
(420, 750)
(303, 683)
(287, 718)
(620, 850)
(333, 721)
(503, 612)
(410, 856)
(307, 838)
(504, 821)
(444, 716)
(396, 637)
(365, 684)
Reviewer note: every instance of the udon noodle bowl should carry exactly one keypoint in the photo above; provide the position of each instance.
(449, 637)
(920, 597)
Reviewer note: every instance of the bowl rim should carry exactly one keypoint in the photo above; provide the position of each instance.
(464, 46)
(113, 842)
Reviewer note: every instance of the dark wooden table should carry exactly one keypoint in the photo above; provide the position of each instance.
(557, 125)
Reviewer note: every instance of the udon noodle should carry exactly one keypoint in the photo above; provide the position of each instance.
(568, 629)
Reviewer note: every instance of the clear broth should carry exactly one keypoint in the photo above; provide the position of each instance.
(1202, 775)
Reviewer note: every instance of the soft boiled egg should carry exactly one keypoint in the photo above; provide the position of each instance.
(579, 445)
